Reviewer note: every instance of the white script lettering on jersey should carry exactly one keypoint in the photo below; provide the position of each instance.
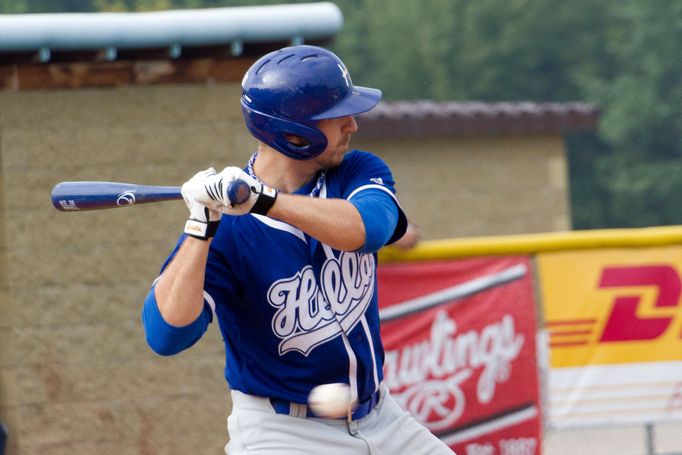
(311, 312)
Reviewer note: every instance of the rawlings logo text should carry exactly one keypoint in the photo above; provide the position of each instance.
(430, 374)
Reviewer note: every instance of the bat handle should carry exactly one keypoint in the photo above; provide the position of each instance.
(238, 192)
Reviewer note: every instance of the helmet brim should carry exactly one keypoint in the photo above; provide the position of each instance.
(361, 99)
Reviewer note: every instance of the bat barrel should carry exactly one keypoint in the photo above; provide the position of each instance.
(77, 196)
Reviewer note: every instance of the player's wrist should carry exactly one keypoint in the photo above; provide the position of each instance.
(203, 222)
(202, 230)
(265, 200)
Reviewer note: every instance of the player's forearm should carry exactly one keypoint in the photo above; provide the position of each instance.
(335, 222)
(180, 290)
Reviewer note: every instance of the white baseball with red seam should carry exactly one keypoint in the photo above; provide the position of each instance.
(331, 400)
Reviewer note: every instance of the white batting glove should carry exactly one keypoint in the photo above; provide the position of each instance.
(259, 201)
(204, 212)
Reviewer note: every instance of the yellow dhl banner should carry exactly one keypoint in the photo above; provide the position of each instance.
(612, 306)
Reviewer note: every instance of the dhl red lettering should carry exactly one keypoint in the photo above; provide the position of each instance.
(623, 323)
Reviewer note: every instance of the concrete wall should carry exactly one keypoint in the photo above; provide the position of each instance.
(478, 186)
(76, 375)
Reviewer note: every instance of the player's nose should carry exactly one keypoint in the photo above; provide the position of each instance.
(350, 125)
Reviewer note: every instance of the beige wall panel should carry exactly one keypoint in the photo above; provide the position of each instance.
(174, 443)
(86, 263)
(462, 187)
(70, 153)
(7, 307)
(57, 426)
(124, 106)
(44, 227)
(29, 179)
(77, 303)
(138, 379)
(94, 344)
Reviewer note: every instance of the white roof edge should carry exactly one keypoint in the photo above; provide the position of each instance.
(192, 27)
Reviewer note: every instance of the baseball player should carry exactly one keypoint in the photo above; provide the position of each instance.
(290, 274)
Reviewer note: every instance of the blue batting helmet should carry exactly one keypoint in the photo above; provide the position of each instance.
(288, 91)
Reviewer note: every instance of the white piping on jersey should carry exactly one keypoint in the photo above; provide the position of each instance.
(352, 368)
(377, 187)
(211, 302)
(281, 226)
(365, 326)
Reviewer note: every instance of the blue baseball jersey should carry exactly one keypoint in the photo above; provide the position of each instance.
(295, 313)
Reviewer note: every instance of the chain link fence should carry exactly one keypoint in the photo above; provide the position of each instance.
(650, 439)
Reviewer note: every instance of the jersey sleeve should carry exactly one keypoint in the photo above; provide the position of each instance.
(166, 339)
(162, 337)
(365, 172)
(379, 215)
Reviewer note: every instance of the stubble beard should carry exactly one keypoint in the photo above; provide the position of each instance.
(335, 156)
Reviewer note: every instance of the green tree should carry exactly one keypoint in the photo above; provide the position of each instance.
(641, 114)
(46, 6)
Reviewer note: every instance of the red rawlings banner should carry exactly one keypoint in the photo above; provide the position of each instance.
(460, 351)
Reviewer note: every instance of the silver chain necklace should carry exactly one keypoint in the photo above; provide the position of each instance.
(314, 193)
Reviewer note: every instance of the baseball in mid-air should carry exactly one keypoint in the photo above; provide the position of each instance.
(330, 401)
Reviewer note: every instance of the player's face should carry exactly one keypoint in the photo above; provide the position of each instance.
(338, 132)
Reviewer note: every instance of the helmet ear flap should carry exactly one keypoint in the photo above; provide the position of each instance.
(274, 130)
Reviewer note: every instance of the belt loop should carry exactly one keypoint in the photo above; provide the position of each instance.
(298, 410)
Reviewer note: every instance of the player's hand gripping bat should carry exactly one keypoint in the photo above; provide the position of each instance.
(78, 196)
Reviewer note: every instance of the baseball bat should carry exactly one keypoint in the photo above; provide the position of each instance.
(79, 196)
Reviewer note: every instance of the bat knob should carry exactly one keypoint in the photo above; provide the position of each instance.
(238, 192)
